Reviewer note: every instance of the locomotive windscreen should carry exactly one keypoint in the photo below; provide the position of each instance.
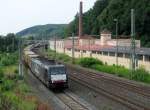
(57, 70)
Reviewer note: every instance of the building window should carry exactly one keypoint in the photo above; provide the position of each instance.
(147, 58)
(69, 49)
(127, 55)
(94, 52)
(99, 53)
(77, 50)
(105, 53)
(120, 54)
(111, 54)
(140, 57)
(84, 51)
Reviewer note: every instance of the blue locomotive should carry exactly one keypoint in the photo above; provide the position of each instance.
(51, 73)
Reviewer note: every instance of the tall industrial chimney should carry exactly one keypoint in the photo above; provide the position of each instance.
(80, 21)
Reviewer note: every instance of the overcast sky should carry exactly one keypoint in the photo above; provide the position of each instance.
(16, 15)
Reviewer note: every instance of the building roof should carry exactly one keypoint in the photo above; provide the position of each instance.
(139, 51)
(107, 48)
(89, 47)
(86, 37)
(70, 38)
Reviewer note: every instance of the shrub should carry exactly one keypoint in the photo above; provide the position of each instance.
(119, 71)
(8, 59)
(1, 74)
(8, 85)
(104, 68)
(16, 71)
(140, 75)
(6, 103)
(24, 87)
(88, 62)
(63, 57)
(122, 72)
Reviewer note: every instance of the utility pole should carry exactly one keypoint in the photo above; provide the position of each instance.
(133, 40)
(73, 49)
(20, 59)
(13, 44)
(89, 42)
(43, 48)
(116, 21)
(55, 47)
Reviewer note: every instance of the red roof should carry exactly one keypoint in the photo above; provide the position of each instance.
(89, 47)
(86, 37)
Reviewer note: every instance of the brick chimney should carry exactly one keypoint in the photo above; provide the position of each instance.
(80, 20)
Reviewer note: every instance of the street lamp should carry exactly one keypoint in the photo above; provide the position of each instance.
(116, 21)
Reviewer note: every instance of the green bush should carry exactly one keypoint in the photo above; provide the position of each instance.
(89, 62)
(118, 70)
(24, 88)
(59, 56)
(16, 71)
(1, 74)
(6, 103)
(104, 68)
(63, 57)
(8, 59)
(8, 85)
(9, 101)
(140, 75)
(122, 72)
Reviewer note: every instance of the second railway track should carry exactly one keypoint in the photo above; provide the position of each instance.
(140, 89)
(72, 102)
(124, 92)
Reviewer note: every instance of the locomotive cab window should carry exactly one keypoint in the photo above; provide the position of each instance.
(58, 70)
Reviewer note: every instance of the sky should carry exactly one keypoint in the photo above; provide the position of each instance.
(16, 15)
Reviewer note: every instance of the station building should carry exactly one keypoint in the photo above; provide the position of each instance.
(104, 49)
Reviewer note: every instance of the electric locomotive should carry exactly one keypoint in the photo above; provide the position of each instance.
(51, 73)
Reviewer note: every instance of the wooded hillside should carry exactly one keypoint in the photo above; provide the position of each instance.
(104, 12)
(43, 31)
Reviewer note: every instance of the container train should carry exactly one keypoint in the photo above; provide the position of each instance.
(51, 73)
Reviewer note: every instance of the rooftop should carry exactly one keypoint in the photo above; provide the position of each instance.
(139, 51)
(107, 48)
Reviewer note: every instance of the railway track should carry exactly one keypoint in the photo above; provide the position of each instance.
(140, 89)
(72, 102)
(127, 94)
